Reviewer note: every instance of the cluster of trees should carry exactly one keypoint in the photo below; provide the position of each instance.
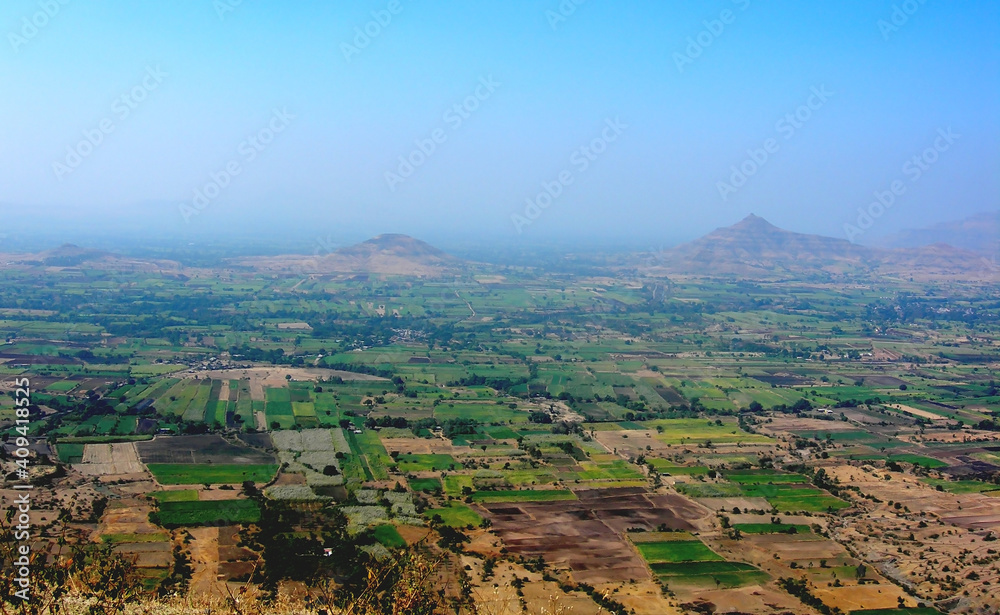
(503, 384)
(800, 406)
(800, 589)
(387, 421)
(909, 308)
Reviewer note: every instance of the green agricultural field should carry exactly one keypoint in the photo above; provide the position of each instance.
(700, 431)
(428, 485)
(278, 395)
(668, 467)
(500, 433)
(709, 490)
(961, 486)
(772, 528)
(455, 483)
(634, 355)
(455, 515)
(62, 386)
(106, 425)
(711, 574)
(69, 452)
(388, 536)
(303, 409)
(685, 569)
(211, 474)
(373, 455)
(539, 476)
(483, 413)
(421, 463)
(763, 477)
(677, 551)
(795, 498)
(223, 512)
(920, 460)
(280, 413)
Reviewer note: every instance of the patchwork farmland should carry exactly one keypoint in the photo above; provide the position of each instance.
(723, 448)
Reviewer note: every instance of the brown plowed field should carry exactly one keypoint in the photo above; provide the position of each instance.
(586, 535)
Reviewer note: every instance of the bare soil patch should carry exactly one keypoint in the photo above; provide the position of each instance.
(198, 449)
(918, 412)
(857, 597)
(224, 391)
(105, 460)
(204, 548)
(586, 536)
(731, 503)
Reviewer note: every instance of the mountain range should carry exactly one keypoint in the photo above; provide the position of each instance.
(755, 248)
(389, 254)
(979, 233)
(751, 248)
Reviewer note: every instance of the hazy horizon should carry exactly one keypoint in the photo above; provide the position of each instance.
(622, 123)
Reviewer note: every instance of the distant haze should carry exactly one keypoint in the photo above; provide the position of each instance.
(522, 122)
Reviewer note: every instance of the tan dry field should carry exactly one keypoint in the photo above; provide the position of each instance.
(45, 505)
(969, 510)
(918, 412)
(784, 423)
(498, 595)
(857, 597)
(642, 598)
(130, 516)
(274, 377)
(965, 435)
(111, 460)
(412, 534)
(753, 599)
(804, 549)
(217, 495)
(204, 548)
(224, 391)
(727, 504)
(217, 559)
(148, 554)
(632, 443)
(137, 487)
(290, 478)
(784, 518)
(234, 560)
(127, 516)
(424, 446)
(950, 541)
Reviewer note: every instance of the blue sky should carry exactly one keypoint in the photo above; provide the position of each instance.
(203, 77)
